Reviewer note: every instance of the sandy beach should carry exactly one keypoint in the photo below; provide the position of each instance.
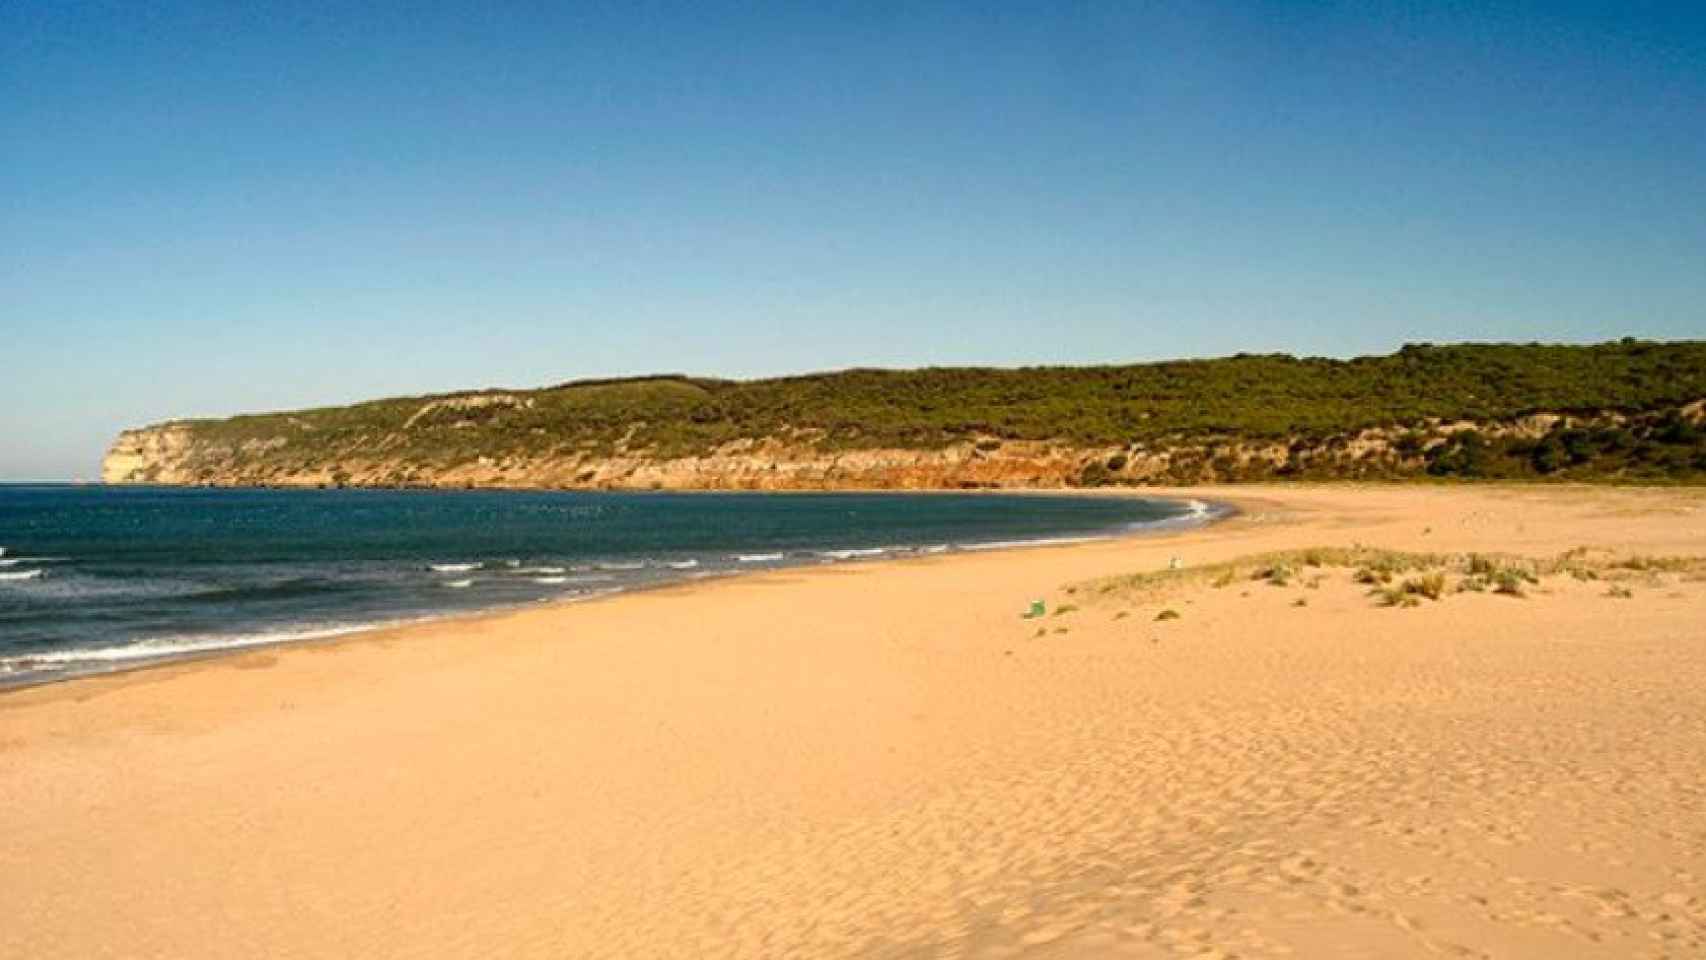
(889, 760)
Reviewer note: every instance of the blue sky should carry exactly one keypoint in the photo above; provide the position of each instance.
(219, 207)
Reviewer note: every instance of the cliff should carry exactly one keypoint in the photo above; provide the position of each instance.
(1627, 410)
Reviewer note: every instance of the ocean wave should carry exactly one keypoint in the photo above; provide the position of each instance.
(934, 548)
(682, 564)
(24, 575)
(1037, 542)
(632, 565)
(459, 584)
(176, 646)
(591, 578)
(453, 567)
(1196, 512)
(856, 553)
(593, 594)
(758, 557)
(552, 571)
(70, 586)
(550, 581)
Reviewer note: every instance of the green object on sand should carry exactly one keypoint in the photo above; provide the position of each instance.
(1037, 609)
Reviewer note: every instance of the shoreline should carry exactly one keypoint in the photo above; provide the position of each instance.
(1213, 511)
(890, 760)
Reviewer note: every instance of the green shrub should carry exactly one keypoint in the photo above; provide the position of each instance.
(1510, 582)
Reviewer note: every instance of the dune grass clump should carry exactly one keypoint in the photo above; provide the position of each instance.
(1394, 595)
(1167, 614)
(1642, 563)
(1411, 590)
(1430, 585)
(1278, 574)
(1065, 609)
(1512, 582)
(1509, 576)
(1619, 592)
(1383, 566)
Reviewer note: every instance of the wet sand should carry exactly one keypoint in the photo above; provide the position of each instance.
(887, 760)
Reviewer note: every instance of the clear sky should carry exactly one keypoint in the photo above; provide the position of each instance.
(207, 208)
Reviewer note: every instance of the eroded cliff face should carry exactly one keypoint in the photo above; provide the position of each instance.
(150, 455)
(170, 455)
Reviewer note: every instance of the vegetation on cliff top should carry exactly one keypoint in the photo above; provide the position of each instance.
(1245, 398)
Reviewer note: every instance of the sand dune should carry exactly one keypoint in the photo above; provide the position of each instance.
(888, 761)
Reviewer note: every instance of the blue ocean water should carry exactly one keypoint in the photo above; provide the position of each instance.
(95, 578)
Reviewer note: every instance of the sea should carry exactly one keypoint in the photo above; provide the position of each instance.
(96, 578)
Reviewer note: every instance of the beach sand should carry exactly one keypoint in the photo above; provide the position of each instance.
(887, 760)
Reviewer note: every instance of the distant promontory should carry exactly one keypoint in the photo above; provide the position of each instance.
(1628, 410)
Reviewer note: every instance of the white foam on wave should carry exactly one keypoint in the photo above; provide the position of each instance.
(453, 567)
(591, 578)
(550, 571)
(757, 557)
(682, 564)
(1196, 512)
(593, 594)
(24, 575)
(550, 581)
(459, 584)
(1038, 542)
(159, 648)
(853, 553)
(934, 548)
(632, 565)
